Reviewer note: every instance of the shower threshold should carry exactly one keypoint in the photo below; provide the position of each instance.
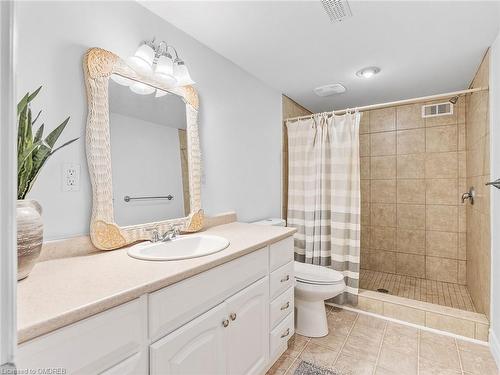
(436, 292)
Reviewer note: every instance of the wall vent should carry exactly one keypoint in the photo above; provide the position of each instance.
(337, 10)
(439, 109)
(333, 89)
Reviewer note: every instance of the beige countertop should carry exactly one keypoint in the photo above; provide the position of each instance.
(62, 291)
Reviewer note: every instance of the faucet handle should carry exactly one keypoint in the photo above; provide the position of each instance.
(155, 234)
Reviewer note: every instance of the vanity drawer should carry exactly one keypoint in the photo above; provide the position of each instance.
(177, 304)
(281, 280)
(281, 253)
(115, 337)
(280, 336)
(281, 307)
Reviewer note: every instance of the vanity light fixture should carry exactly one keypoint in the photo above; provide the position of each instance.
(155, 60)
(368, 72)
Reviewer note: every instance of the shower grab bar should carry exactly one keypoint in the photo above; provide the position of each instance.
(495, 183)
(127, 198)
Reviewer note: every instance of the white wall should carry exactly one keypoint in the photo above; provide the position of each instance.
(495, 197)
(146, 161)
(240, 117)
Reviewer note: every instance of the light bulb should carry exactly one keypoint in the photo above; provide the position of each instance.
(164, 71)
(182, 74)
(368, 72)
(160, 93)
(142, 89)
(121, 80)
(142, 61)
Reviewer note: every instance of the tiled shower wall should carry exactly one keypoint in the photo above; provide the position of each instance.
(478, 173)
(412, 178)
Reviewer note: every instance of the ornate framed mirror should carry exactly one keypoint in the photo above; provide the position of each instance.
(143, 153)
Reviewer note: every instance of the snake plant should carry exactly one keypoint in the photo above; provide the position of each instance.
(33, 150)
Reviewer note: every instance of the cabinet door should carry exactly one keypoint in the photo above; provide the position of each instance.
(195, 348)
(248, 334)
(133, 365)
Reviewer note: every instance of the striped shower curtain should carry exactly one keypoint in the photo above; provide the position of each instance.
(324, 194)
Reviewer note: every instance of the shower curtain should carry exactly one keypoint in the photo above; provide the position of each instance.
(324, 194)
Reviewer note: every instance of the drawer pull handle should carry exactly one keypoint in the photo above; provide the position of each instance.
(233, 316)
(285, 279)
(285, 306)
(225, 323)
(286, 333)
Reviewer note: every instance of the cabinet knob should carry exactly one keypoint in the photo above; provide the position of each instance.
(225, 323)
(285, 306)
(285, 279)
(233, 316)
(286, 333)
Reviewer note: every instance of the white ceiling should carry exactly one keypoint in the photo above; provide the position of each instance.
(422, 47)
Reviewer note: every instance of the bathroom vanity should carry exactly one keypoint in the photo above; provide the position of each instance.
(123, 311)
(225, 313)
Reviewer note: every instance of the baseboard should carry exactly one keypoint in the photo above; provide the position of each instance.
(495, 347)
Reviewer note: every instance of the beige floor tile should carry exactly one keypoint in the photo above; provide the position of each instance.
(337, 335)
(318, 355)
(477, 359)
(293, 367)
(401, 338)
(396, 360)
(384, 371)
(428, 367)
(439, 350)
(347, 364)
(295, 345)
(363, 342)
(281, 365)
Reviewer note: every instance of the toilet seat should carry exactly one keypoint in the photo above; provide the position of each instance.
(316, 275)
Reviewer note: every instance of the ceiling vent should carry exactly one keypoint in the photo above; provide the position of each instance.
(440, 109)
(337, 10)
(333, 89)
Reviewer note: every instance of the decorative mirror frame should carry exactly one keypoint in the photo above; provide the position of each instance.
(98, 66)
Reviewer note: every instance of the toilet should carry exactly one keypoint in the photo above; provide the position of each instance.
(313, 285)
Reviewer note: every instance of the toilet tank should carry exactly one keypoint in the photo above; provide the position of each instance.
(271, 221)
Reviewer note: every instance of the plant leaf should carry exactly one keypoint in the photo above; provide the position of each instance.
(23, 103)
(36, 118)
(39, 134)
(51, 139)
(63, 145)
(26, 154)
(32, 96)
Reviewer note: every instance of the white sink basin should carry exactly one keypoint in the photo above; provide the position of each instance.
(182, 247)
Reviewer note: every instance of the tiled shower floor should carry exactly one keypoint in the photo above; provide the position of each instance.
(437, 292)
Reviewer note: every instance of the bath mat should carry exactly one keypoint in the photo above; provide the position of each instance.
(306, 368)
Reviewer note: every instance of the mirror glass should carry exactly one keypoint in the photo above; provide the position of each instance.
(148, 154)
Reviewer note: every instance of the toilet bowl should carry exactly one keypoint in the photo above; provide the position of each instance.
(314, 284)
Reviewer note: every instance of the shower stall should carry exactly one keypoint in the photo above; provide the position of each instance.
(422, 235)
(425, 211)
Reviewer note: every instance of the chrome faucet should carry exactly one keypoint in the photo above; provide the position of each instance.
(155, 235)
(169, 235)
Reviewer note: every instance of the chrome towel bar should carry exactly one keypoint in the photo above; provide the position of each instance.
(127, 198)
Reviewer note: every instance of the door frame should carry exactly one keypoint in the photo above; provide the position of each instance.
(8, 187)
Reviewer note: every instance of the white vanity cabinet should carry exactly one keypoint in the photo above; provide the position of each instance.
(231, 338)
(112, 342)
(235, 319)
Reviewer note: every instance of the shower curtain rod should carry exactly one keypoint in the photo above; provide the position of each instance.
(391, 104)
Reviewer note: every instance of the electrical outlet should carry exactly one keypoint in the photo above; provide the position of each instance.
(71, 177)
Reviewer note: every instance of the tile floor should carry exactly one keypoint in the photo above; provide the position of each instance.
(362, 344)
(437, 292)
